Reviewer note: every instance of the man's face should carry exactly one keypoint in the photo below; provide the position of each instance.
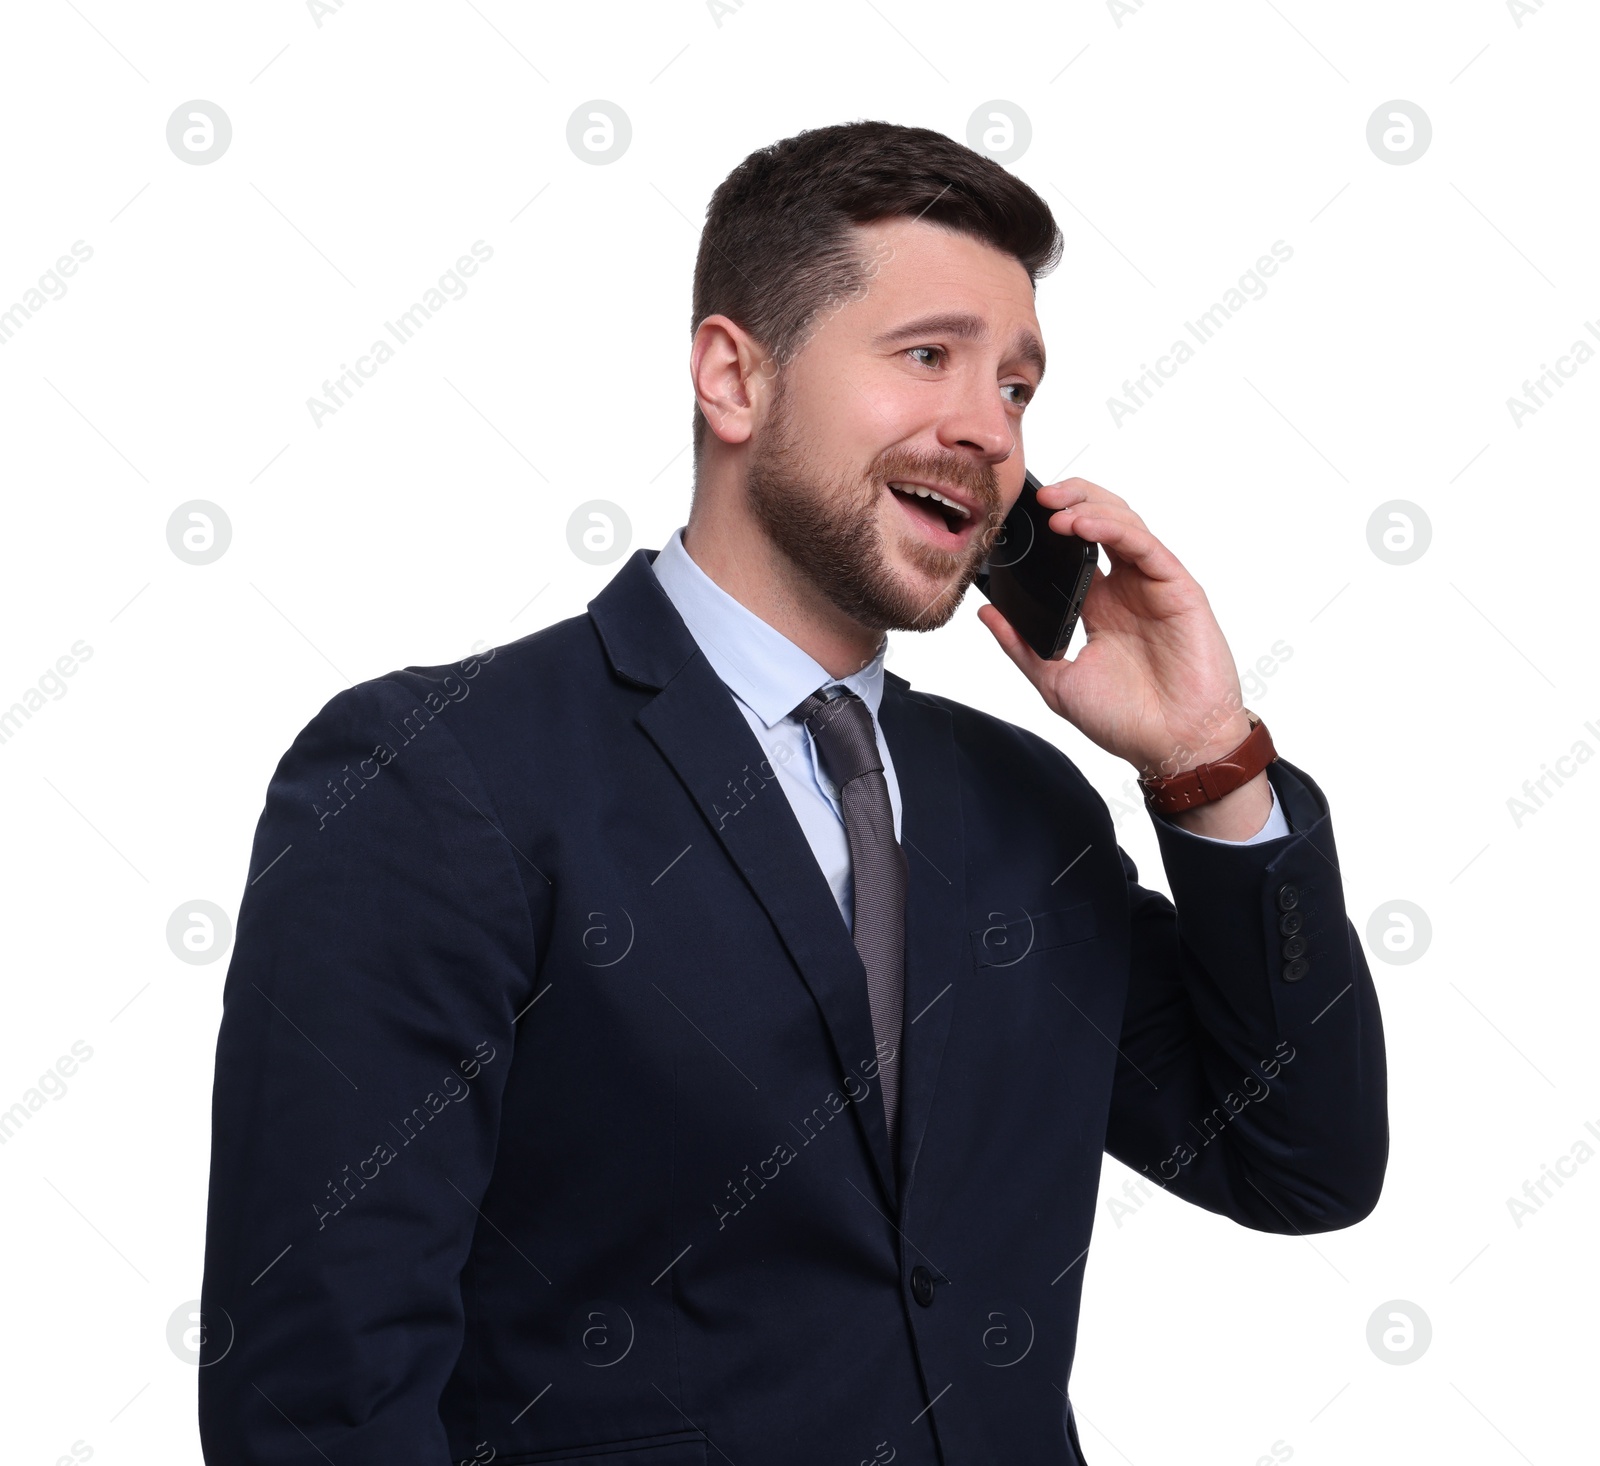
(918, 382)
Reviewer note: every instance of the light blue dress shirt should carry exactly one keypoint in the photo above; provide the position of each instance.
(769, 676)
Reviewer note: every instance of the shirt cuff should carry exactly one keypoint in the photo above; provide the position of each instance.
(1277, 825)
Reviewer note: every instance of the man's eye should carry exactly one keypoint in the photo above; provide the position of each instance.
(1022, 387)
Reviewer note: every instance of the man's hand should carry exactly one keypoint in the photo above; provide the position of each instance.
(1155, 683)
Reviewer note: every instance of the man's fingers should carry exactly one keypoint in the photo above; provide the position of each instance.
(1011, 642)
(1108, 505)
(1077, 491)
(1127, 539)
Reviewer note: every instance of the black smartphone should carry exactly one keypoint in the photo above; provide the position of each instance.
(1037, 579)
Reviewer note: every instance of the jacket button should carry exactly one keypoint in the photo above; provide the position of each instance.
(1290, 922)
(922, 1285)
(1294, 947)
(1288, 897)
(1294, 971)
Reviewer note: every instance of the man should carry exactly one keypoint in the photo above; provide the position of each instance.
(671, 1037)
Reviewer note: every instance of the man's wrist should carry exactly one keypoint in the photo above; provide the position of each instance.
(1176, 758)
(1187, 780)
(1223, 741)
(1236, 816)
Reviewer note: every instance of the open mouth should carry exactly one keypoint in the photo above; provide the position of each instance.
(938, 517)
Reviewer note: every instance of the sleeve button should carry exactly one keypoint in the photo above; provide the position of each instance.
(1288, 897)
(1295, 970)
(1293, 947)
(1290, 922)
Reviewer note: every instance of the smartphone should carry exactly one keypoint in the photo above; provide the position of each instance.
(1036, 578)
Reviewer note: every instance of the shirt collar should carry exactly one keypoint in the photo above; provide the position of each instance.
(757, 662)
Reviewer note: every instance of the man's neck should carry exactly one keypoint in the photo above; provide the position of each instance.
(744, 562)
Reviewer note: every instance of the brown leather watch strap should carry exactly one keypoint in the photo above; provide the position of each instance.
(1206, 782)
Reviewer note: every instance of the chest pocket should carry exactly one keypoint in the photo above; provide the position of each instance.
(1008, 941)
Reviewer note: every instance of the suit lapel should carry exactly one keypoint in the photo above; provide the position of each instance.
(700, 732)
(922, 744)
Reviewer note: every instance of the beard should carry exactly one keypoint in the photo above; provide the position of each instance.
(829, 531)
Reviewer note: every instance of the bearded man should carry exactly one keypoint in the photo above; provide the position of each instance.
(693, 1043)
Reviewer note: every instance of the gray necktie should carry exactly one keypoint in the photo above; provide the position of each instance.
(848, 753)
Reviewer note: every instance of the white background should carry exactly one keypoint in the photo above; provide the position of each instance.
(430, 514)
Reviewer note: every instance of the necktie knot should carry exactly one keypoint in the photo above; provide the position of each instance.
(847, 748)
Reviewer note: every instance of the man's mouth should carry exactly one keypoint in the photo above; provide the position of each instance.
(937, 513)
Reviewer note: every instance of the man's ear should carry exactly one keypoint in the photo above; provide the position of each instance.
(730, 374)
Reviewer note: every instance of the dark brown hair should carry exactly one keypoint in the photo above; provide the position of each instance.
(776, 245)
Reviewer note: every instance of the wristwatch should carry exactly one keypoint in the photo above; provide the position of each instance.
(1206, 782)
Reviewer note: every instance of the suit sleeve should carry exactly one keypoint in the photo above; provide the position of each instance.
(1251, 1079)
(383, 948)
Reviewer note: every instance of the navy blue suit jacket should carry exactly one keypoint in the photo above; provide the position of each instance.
(545, 1122)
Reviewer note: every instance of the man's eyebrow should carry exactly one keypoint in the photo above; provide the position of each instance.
(963, 326)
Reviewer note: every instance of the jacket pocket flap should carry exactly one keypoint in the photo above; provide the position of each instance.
(1006, 942)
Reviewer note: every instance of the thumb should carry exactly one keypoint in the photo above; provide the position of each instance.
(1049, 679)
(1029, 662)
